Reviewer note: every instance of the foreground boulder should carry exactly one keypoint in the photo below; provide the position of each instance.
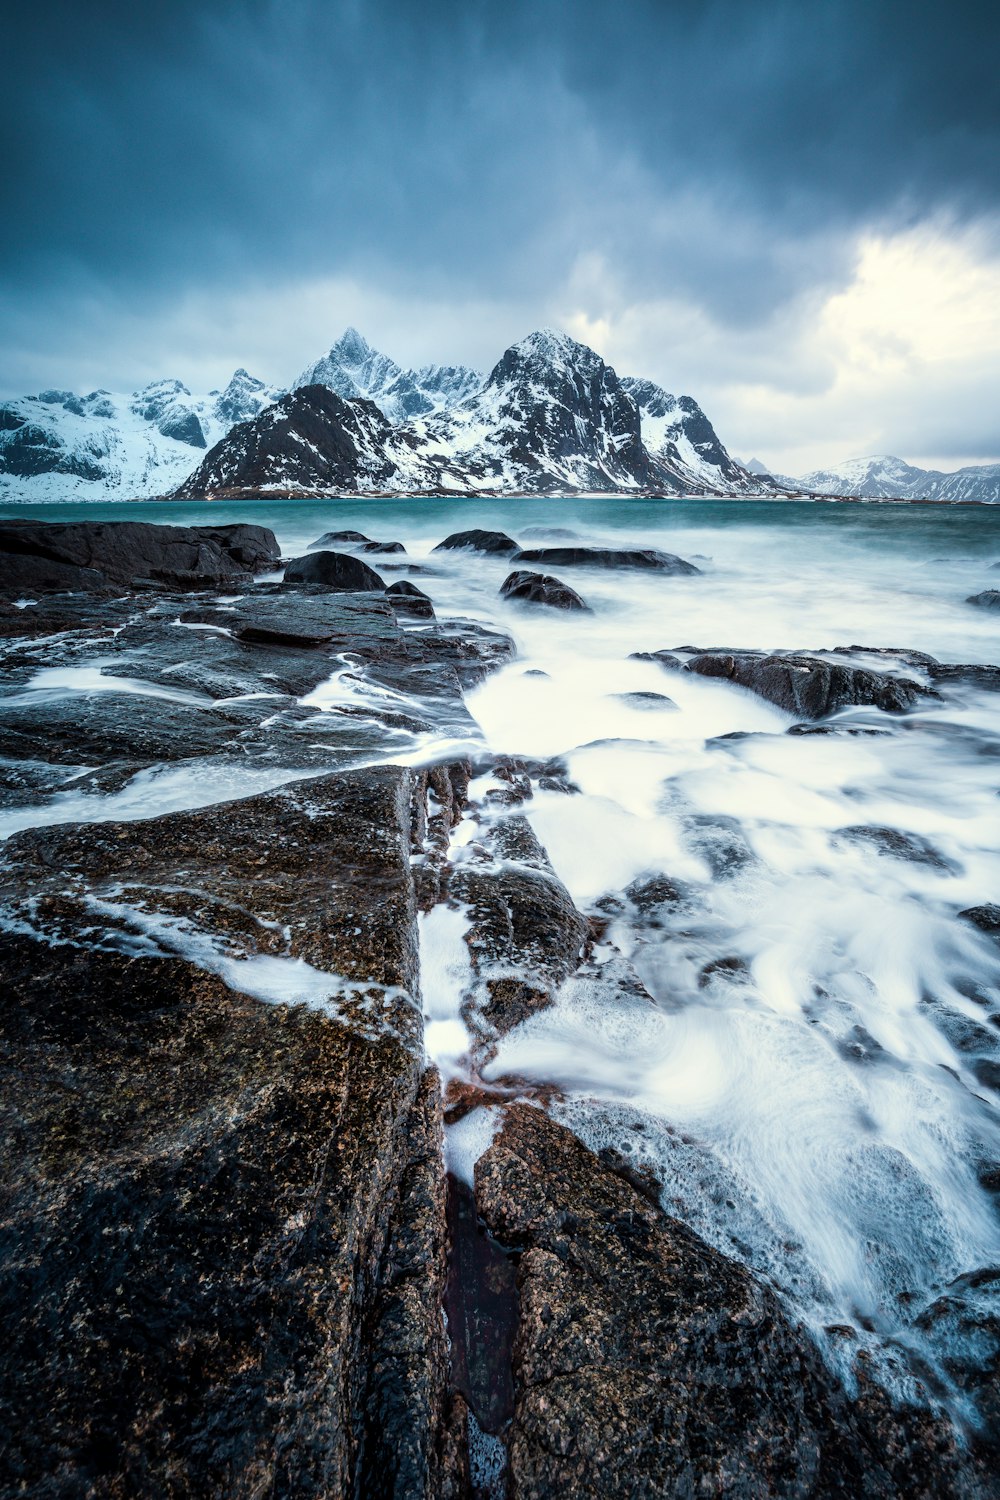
(336, 570)
(988, 599)
(540, 588)
(491, 542)
(647, 559)
(646, 1363)
(807, 685)
(223, 1230)
(101, 556)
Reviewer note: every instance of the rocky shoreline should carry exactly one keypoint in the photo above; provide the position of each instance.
(235, 1262)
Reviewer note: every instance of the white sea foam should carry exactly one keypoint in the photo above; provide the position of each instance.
(445, 982)
(813, 1105)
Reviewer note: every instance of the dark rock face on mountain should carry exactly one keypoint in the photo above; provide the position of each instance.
(683, 444)
(60, 445)
(31, 449)
(648, 559)
(559, 415)
(703, 1387)
(243, 399)
(491, 542)
(809, 686)
(540, 588)
(309, 442)
(95, 556)
(336, 570)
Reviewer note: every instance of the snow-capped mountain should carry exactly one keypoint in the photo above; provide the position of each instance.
(681, 439)
(886, 478)
(107, 446)
(310, 442)
(552, 415)
(754, 466)
(353, 369)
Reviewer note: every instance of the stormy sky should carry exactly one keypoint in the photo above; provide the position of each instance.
(789, 210)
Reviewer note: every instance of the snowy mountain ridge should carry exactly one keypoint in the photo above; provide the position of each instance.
(353, 369)
(115, 446)
(551, 416)
(884, 477)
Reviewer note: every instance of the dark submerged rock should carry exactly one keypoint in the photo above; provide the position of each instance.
(540, 588)
(646, 1363)
(809, 686)
(986, 918)
(497, 542)
(665, 659)
(895, 844)
(331, 538)
(336, 570)
(721, 842)
(645, 558)
(481, 1304)
(976, 674)
(988, 599)
(645, 700)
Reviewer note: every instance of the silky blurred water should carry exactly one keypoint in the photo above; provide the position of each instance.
(822, 1104)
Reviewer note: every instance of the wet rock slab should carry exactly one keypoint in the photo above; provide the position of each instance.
(101, 556)
(223, 1220)
(526, 935)
(204, 678)
(808, 685)
(646, 1363)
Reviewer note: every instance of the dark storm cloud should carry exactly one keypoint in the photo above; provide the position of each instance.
(720, 151)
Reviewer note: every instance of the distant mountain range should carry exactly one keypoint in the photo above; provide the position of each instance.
(888, 478)
(107, 445)
(551, 416)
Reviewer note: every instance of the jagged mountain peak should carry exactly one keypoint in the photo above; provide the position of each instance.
(352, 345)
(546, 351)
(243, 398)
(685, 445)
(354, 369)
